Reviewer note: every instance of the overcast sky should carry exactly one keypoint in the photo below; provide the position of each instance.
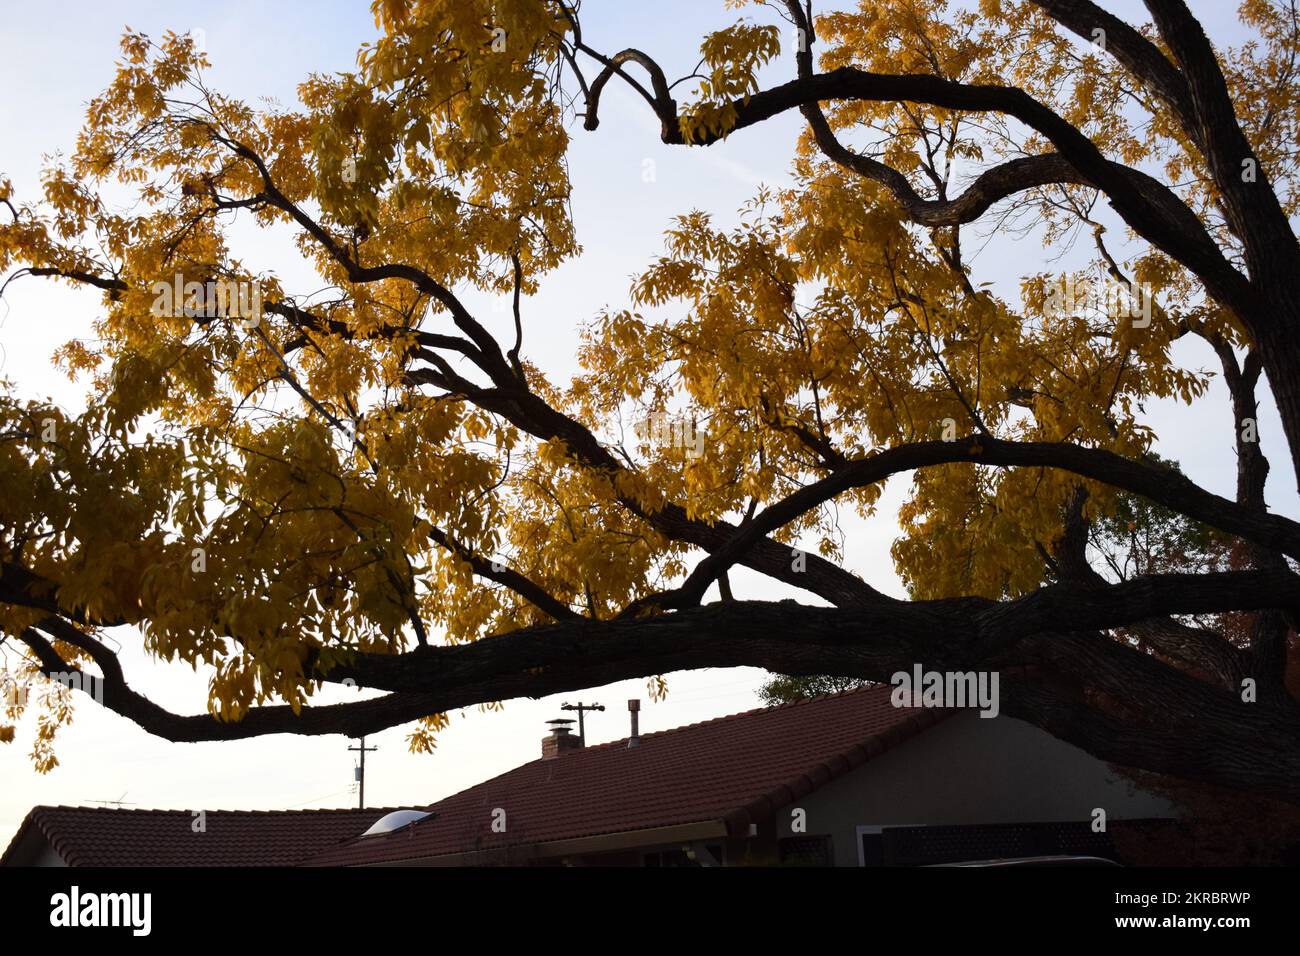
(59, 55)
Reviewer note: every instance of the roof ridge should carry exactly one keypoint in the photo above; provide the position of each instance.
(209, 810)
(250, 837)
(609, 744)
(765, 709)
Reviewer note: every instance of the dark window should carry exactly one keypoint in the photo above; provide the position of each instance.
(929, 845)
(805, 851)
(680, 857)
(873, 849)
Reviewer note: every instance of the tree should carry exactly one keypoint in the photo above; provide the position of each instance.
(368, 487)
(783, 689)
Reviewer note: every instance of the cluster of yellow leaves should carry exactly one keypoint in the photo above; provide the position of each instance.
(253, 532)
(424, 738)
(823, 314)
(733, 57)
(453, 137)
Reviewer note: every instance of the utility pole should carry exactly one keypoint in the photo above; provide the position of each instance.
(361, 771)
(582, 708)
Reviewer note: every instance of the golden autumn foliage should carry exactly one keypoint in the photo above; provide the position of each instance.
(365, 469)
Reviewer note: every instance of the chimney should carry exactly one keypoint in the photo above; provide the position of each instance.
(634, 708)
(560, 739)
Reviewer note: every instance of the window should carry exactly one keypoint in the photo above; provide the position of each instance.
(873, 848)
(805, 851)
(680, 857)
(931, 845)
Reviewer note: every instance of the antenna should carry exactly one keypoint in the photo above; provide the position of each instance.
(119, 802)
(581, 708)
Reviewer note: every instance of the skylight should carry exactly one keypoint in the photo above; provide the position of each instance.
(391, 822)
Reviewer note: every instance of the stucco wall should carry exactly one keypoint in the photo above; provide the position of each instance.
(967, 770)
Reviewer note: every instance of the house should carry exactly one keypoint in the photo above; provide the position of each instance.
(845, 780)
(109, 836)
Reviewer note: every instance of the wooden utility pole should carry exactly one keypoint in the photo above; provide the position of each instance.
(581, 708)
(361, 771)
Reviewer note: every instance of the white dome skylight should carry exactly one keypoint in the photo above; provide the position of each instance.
(396, 820)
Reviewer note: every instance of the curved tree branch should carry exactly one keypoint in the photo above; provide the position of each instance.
(1131, 49)
(1162, 485)
(867, 642)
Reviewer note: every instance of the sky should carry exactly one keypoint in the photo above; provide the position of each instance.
(58, 55)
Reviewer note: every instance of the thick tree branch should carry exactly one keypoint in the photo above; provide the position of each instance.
(115, 695)
(1131, 49)
(1253, 751)
(991, 186)
(786, 637)
(1251, 203)
(1161, 485)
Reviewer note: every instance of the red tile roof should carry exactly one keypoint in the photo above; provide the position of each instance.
(734, 770)
(105, 836)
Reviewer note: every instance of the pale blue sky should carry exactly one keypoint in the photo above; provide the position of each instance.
(59, 55)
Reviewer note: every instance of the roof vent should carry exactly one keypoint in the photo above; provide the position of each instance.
(391, 822)
(634, 708)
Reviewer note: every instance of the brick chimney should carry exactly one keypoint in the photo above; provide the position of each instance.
(559, 739)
